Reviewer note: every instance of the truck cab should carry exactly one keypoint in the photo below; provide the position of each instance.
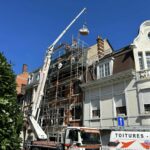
(82, 138)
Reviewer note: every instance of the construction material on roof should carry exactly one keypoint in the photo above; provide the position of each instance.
(84, 30)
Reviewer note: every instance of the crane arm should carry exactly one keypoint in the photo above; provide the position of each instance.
(64, 31)
(43, 76)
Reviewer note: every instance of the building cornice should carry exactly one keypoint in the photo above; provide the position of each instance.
(129, 74)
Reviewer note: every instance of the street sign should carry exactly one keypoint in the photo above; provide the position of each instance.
(120, 121)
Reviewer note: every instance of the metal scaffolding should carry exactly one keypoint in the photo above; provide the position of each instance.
(62, 102)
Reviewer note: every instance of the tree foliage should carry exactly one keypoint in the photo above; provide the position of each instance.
(10, 112)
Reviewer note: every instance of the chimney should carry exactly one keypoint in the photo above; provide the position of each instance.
(100, 47)
(24, 68)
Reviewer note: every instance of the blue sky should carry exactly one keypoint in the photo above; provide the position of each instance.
(28, 27)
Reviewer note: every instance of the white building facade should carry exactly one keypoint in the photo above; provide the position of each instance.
(121, 88)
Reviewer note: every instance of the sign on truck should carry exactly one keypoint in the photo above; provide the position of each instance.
(129, 140)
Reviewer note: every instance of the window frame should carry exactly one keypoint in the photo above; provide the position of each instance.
(95, 110)
(141, 60)
(76, 109)
(147, 110)
(121, 109)
(105, 69)
(147, 54)
(95, 113)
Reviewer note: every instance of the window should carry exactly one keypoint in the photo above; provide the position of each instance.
(146, 100)
(148, 59)
(90, 138)
(76, 112)
(104, 70)
(95, 109)
(121, 110)
(96, 113)
(60, 116)
(148, 35)
(30, 78)
(101, 70)
(107, 69)
(147, 108)
(61, 91)
(38, 77)
(73, 135)
(141, 64)
(120, 105)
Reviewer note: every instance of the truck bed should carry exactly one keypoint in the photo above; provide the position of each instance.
(45, 144)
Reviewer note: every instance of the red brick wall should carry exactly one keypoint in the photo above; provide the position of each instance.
(21, 79)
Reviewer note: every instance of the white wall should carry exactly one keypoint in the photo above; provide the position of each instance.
(131, 88)
(105, 95)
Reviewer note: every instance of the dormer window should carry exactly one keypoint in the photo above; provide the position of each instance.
(107, 69)
(104, 69)
(101, 70)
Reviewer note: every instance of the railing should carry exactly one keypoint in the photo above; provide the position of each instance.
(143, 74)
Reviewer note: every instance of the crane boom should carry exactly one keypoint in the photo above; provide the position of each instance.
(43, 76)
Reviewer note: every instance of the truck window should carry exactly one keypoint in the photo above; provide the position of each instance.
(90, 138)
(73, 135)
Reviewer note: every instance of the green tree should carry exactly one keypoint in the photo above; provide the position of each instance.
(10, 112)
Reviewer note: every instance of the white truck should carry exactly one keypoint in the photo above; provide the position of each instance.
(79, 138)
(129, 140)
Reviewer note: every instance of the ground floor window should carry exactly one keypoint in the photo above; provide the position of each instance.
(120, 105)
(95, 113)
(147, 108)
(145, 98)
(121, 110)
(95, 107)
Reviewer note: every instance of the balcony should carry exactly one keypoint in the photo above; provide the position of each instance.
(143, 75)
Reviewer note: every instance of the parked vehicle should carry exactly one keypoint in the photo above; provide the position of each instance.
(129, 140)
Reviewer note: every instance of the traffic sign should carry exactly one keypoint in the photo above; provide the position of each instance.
(120, 121)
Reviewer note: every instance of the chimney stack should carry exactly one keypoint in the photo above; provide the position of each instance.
(100, 47)
(24, 68)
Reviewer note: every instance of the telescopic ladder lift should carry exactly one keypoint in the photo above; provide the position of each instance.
(43, 76)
